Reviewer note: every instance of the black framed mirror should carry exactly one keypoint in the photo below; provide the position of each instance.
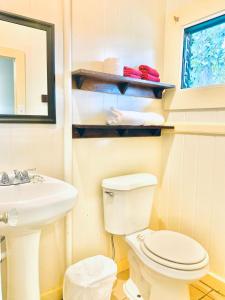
(27, 70)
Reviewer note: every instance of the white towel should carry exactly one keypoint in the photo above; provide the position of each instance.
(125, 117)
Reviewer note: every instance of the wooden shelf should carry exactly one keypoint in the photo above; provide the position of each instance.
(101, 131)
(116, 84)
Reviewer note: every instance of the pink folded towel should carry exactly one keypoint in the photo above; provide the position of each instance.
(149, 70)
(149, 77)
(127, 70)
(132, 76)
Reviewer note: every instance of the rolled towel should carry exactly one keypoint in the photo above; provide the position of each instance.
(149, 77)
(113, 65)
(125, 117)
(127, 70)
(147, 69)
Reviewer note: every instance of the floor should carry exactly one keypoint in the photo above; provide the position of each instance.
(207, 289)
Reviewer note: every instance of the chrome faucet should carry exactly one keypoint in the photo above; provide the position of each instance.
(4, 179)
(26, 176)
(18, 177)
(21, 177)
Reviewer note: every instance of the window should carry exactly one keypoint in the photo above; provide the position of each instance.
(204, 54)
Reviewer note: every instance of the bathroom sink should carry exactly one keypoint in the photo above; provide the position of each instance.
(24, 210)
(36, 203)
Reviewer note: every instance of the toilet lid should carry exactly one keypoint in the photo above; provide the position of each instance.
(174, 247)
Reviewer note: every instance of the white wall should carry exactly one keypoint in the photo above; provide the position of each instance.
(192, 198)
(173, 5)
(134, 32)
(193, 187)
(40, 146)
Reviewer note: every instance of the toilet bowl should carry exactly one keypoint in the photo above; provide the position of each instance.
(162, 263)
(167, 262)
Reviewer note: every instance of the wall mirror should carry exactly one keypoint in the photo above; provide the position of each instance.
(27, 76)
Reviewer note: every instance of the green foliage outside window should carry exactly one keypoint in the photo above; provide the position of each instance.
(204, 56)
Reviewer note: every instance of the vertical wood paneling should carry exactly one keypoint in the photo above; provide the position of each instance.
(189, 175)
(174, 181)
(162, 205)
(204, 189)
(192, 197)
(217, 234)
(102, 29)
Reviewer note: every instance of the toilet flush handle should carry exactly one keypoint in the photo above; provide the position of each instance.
(111, 194)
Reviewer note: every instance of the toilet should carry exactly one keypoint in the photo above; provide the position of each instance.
(162, 263)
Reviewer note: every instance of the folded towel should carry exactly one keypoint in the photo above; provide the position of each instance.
(123, 117)
(147, 69)
(132, 76)
(149, 77)
(132, 71)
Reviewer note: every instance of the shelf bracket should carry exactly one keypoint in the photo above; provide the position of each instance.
(79, 81)
(158, 92)
(123, 86)
(121, 131)
(81, 131)
(156, 132)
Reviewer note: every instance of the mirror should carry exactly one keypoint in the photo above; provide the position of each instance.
(27, 76)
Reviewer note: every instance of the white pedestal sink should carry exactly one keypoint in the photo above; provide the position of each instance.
(30, 206)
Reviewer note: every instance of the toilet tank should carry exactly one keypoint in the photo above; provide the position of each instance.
(127, 202)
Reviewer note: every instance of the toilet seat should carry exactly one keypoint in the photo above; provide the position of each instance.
(173, 250)
(136, 239)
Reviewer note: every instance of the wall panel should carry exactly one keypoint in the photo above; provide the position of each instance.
(192, 192)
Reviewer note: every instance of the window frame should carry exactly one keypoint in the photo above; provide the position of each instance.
(214, 21)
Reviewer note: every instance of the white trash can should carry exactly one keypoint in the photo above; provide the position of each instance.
(90, 279)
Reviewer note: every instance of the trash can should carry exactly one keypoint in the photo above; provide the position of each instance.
(90, 279)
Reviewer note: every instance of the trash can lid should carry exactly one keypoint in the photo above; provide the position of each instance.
(91, 270)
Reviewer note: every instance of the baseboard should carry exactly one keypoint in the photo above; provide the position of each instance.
(215, 282)
(54, 294)
(217, 277)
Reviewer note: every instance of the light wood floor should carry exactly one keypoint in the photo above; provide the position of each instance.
(206, 289)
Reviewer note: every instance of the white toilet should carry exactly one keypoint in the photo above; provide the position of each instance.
(162, 263)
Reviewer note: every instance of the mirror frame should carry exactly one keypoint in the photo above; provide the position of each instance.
(50, 42)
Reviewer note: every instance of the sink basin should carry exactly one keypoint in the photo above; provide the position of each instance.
(35, 204)
(28, 208)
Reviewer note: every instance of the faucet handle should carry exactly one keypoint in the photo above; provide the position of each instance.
(4, 179)
(21, 176)
(16, 172)
(18, 175)
(29, 174)
(25, 175)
